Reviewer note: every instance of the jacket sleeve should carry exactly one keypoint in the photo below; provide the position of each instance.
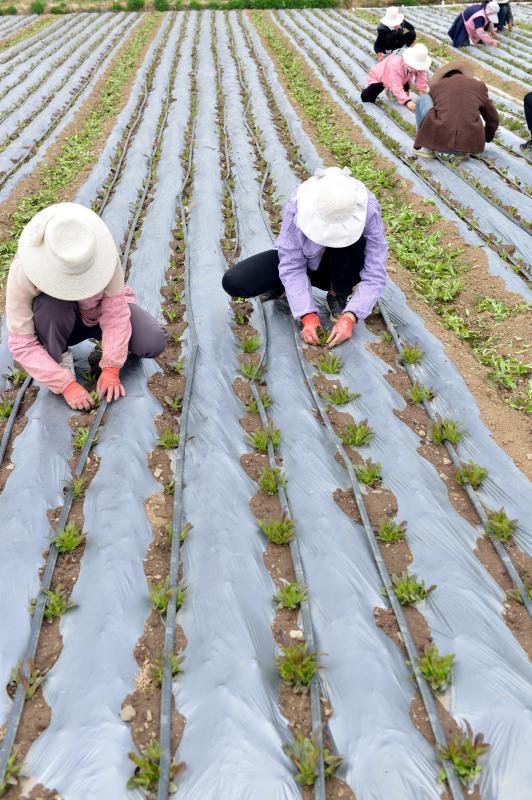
(380, 41)
(408, 25)
(396, 79)
(373, 274)
(422, 82)
(490, 116)
(34, 359)
(482, 33)
(293, 266)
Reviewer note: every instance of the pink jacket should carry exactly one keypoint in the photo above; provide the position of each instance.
(477, 35)
(393, 72)
(108, 309)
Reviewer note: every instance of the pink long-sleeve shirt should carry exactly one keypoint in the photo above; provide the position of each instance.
(475, 27)
(393, 72)
(108, 309)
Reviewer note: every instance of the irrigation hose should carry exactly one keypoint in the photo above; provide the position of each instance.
(13, 418)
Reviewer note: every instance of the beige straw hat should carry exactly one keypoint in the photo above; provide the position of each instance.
(458, 65)
(417, 57)
(68, 252)
(392, 17)
(332, 207)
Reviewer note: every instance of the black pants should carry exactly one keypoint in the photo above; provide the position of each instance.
(339, 270)
(528, 111)
(371, 92)
(505, 16)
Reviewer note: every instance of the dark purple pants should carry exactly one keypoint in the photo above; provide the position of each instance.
(58, 325)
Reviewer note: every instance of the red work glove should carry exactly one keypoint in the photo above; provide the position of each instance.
(310, 323)
(109, 385)
(77, 397)
(342, 330)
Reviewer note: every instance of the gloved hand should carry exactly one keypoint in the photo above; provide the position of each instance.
(77, 397)
(310, 323)
(380, 56)
(342, 330)
(109, 385)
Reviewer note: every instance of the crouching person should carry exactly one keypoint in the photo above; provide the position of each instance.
(66, 285)
(397, 73)
(457, 115)
(331, 237)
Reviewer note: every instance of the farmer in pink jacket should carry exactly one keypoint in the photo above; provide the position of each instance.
(475, 25)
(397, 73)
(331, 237)
(66, 285)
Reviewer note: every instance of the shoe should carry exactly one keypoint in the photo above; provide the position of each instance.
(273, 294)
(67, 362)
(526, 145)
(336, 304)
(424, 152)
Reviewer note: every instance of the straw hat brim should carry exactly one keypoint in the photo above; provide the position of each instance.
(407, 55)
(329, 234)
(465, 67)
(44, 270)
(391, 22)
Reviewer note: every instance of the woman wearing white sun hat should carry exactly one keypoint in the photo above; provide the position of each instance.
(331, 237)
(397, 73)
(66, 285)
(393, 32)
(475, 25)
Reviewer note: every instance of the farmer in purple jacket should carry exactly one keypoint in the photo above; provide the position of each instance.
(332, 237)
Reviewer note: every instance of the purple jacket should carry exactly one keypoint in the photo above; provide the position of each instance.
(297, 253)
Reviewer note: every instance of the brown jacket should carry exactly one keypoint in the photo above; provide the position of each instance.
(455, 121)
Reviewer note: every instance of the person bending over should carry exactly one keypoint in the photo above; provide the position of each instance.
(456, 116)
(505, 16)
(66, 285)
(475, 25)
(397, 73)
(393, 32)
(528, 116)
(331, 237)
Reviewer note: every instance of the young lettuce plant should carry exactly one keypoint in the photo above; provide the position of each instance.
(463, 751)
(259, 438)
(250, 344)
(409, 590)
(369, 473)
(80, 437)
(323, 335)
(31, 681)
(410, 354)
(174, 404)
(57, 603)
(277, 531)
(297, 665)
(330, 363)
(436, 669)
(418, 392)
(340, 395)
(147, 768)
(446, 430)
(357, 434)
(290, 595)
(470, 473)
(168, 439)
(5, 408)
(156, 672)
(250, 371)
(305, 754)
(500, 525)
(391, 532)
(251, 404)
(161, 594)
(270, 480)
(68, 538)
(13, 767)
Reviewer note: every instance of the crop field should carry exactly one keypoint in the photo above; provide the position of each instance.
(271, 571)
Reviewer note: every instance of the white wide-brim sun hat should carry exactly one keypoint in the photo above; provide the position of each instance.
(492, 12)
(417, 57)
(332, 207)
(393, 17)
(68, 252)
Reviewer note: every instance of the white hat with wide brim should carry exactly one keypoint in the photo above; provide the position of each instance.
(68, 252)
(492, 12)
(332, 207)
(392, 17)
(417, 57)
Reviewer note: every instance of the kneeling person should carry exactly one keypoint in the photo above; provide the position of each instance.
(66, 285)
(331, 237)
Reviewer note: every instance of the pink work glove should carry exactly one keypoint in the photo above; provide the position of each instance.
(342, 330)
(77, 397)
(310, 323)
(380, 56)
(109, 385)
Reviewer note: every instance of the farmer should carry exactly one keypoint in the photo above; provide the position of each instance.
(396, 73)
(456, 116)
(505, 16)
(66, 285)
(331, 237)
(392, 33)
(475, 25)
(528, 116)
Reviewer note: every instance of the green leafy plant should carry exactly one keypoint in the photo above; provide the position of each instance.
(57, 603)
(436, 669)
(174, 404)
(418, 392)
(297, 665)
(240, 318)
(305, 754)
(386, 336)
(446, 430)
(169, 488)
(249, 344)
(259, 438)
(251, 404)
(13, 767)
(369, 473)
(251, 371)
(168, 439)
(147, 767)
(277, 531)
(37, 7)
(161, 594)
(31, 681)
(329, 363)
(135, 5)
(170, 314)
(156, 672)
(16, 377)
(463, 751)
(470, 473)
(178, 366)
(68, 538)
(391, 532)
(340, 395)
(78, 486)
(500, 526)
(323, 335)
(80, 437)
(290, 595)
(5, 408)
(409, 590)
(357, 434)
(498, 309)
(410, 354)
(270, 480)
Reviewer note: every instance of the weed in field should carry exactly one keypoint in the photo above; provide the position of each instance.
(168, 439)
(410, 354)
(147, 766)
(13, 767)
(504, 369)
(369, 473)
(500, 525)
(5, 408)
(252, 406)
(391, 532)
(68, 538)
(31, 681)
(249, 344)
(436, 669)
(251, 371)
(297, 665)
(156, 672)
(174, 404)
(470, 473)
(329, 363)
(357, 434)
(463, 751)
(418, 392)
(446, 430)
(409, 590)
(277, 531)
(305, 754)
(16, 377)
(340, 395)
(290, 595)
(259, 438)
(80, 437)
(57, 603)
(496, 308)
(270, 480)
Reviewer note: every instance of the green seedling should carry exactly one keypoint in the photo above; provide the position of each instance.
(391, 532)
(11, 774)
(410, 354)
(369, 473)
(240, 318)
(329, 363)
(251, 404)
(259, 438)
(446, 430)
(16, 377)
(156, 672)
(161, 594)
(498, 309)
(418, 392)
(357, 434)
(297, 665)
(277, 531)
(147, 769)
(80, 437)
(249, 344)
(463, 751)
(386, 336)
(176, 296)
(290, 595)
(251, 371)
(78, 487)
(340, 395)
(169, 488)
(31, 681)
(174, 404)
(270, 480)
(57, 603)
(516, 594)
(323, 335)
(170, 314)
(5, 408)
(168, 439)
(436, 669)
(470, 473)
(169, 530)
(500, 526)
(305, 754)
(409, 590)
(176, 338)
(178, 366)
(68, 538)
(95, 398)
